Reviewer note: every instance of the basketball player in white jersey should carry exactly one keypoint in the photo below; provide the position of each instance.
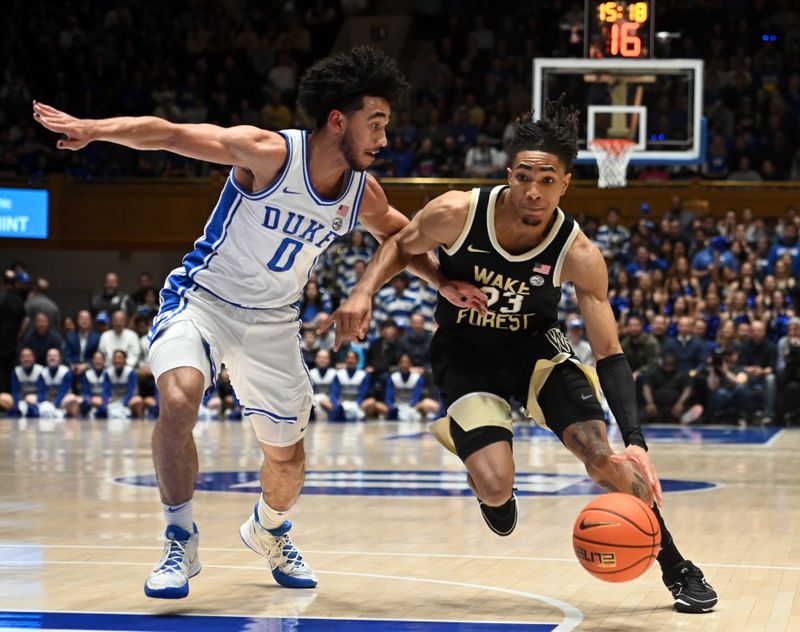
(289, 195)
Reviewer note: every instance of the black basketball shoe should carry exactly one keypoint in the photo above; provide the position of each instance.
(501, 520)
(689, 588)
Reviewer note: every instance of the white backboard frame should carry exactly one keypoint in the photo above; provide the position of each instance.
(639, 156)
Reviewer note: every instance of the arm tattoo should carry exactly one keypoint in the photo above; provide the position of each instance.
(607, 486)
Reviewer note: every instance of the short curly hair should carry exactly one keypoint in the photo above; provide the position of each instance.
(555, 133)
(341, 81)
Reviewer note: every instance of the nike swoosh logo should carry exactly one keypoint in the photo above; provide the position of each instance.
(583, 526)
(472, 248)
(585, 397)
(171, 510)
(287, 191)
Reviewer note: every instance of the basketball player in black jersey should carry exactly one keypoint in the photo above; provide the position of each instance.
(517, 245)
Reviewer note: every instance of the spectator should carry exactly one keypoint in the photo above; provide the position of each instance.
(405, 394)
(96, 389)
(322, 376)
(22, 401)
(313, 302)
(721, 388)
(121, 380)
(39, 302)
(416, 343)
(349, 390)
(381, 357)
(309, 347)
(793, 333)
(744, 173)
(658, 329)
(758, 356)
(691, 352)
(118, 338)
(55, 397)
(483, 161)
(396, 302)
(111, 299)
(12, 316)
(612, 238)
(786, 246)
(101, 323)
(640, 349)
(147, 309)
(41, 338)
(80, 345)
(145, 282)
(666, 392)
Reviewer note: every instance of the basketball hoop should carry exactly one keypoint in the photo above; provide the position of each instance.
(613, 156)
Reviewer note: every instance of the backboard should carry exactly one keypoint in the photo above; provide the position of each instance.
(657, 103)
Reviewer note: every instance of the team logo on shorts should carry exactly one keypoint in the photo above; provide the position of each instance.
(337, 223)
(537, 281)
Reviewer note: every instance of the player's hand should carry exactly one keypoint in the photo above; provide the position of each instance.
(641, 461)
(352, 319)
(464, 294)
(77, 131)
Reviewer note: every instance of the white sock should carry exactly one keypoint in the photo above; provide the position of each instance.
(179, 515)
(268, 517)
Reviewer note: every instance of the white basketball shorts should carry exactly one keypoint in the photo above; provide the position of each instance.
(260, 349)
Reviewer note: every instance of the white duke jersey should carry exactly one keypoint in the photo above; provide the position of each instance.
(258, 249)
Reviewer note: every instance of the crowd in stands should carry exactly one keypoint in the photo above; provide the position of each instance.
(706, 310)
(469, 65)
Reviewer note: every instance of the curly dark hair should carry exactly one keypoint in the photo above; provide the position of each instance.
(555, 133)
(341, 81)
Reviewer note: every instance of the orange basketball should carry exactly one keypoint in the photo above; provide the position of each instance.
(616, 537)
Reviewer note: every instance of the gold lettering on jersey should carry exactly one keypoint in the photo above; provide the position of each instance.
(484, 276)
(494, 320)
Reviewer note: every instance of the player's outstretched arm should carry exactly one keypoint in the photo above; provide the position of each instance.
(586, 268)
(439, 223)
(382, 221)
(242, 145)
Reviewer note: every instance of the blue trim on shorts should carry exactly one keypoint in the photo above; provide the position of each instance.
(272, 416)
(173, 298)
(213, 385)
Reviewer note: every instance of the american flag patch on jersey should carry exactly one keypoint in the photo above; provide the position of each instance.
(343, 210)
(541, 268)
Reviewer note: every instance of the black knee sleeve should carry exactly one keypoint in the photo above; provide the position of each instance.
(470, 441)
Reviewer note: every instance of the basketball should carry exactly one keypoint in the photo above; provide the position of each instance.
(616, 537)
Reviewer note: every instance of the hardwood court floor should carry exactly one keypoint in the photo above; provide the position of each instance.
(385, 525)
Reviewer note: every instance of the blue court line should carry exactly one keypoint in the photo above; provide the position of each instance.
(406, 483)
(114, 622)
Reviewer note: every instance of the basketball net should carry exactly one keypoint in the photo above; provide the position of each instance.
(613, 156)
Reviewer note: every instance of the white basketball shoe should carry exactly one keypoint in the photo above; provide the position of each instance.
(284, 560)
(179, 562)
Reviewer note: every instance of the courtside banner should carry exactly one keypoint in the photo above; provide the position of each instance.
(24, 213)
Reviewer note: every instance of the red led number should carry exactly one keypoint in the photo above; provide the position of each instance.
(625, 41)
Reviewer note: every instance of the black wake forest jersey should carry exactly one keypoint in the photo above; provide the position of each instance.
(523, 290)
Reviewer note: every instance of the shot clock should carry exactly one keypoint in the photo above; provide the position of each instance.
(619, 29)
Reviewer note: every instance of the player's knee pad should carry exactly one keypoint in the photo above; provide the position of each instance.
(468, 442)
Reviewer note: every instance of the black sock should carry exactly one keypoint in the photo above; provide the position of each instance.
(669, 555)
